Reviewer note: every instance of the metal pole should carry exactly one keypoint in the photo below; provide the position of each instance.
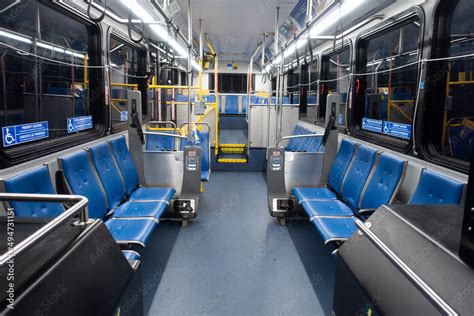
(280, 100)
(4, 80)
(190, 69)
(263, 50)
(275, 53)
(309, 10)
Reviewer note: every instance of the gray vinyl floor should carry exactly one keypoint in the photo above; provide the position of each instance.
(234, 259)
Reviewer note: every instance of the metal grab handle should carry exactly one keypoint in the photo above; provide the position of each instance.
(162, 122)
(164, 134)
(298, 136)
(427, 291)
(80, 206)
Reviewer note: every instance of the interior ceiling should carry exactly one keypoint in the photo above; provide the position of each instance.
(235, 27)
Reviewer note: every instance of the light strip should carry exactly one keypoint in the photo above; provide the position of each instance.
(158, 29)
(15, 37)
(330, 20)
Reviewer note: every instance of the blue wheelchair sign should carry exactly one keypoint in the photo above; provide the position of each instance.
(80, 123)
(19, 134)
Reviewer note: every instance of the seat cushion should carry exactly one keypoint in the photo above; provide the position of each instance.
(335, 229)
(140, 209)
(131, 255)
(131, 231)
(152, 194)
(307, 194)
(327, 208)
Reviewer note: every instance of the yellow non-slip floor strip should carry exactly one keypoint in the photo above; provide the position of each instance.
(232, 160)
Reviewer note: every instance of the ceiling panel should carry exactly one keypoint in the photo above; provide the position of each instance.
(235, 26)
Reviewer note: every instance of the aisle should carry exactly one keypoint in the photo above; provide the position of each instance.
(235, 260)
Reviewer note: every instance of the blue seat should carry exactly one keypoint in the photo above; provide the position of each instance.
(81, 180)
(36, 181)
(434, 188)
(232, 104)
(131, 255)
(205, 154)
(160, 142)
(357, 175)
(335, 178)
(130, 176)
(111, 180)
(294, 144)
(381, 189)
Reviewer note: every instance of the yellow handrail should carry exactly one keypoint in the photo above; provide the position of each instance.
(126, 85)
(170, 87)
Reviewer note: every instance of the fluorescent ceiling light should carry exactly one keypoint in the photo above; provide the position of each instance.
(332, 18)
(139, 11)
(15, 37)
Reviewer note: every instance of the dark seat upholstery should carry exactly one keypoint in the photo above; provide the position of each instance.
(130, 176)
(36, 181)
(81, 180)
(335, 178)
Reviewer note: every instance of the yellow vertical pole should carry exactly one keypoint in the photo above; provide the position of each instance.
(216, 88)
(445, 118)
(86, 71)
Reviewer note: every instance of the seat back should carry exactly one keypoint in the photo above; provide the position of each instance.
(434, 188)
(384, 182)
(357, 175)
(160, 142)
(341, 164)
(108, 172)
(232, 104)
(36, 181)
(126, 165)
(81, 180)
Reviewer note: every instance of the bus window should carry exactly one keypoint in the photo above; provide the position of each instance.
(457, 133)
(312, 112)
(123, 77)
(335, 70)
(386, 87)
(44, 75)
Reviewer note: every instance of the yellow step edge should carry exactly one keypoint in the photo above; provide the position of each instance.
(232, 160)
(232, 145)
(233, 150)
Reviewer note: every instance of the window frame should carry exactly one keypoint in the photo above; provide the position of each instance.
(355, 110)
(113, 32)
(323, 95)
(11, 156)
(429, 138)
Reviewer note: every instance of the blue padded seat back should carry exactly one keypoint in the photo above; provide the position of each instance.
(315, 145)
(307, 141)
(109, 175)
(82, 181)
(292, 143)
(434, 188)
(36, 181)
(159, 142)
(205, 151)
(341, 164)
(384, 182)
(125, 163)
(358, 174)
(300, 141)
(232, 104)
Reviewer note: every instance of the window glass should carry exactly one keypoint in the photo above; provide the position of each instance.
(312, 111)
(123, 72)
(230, 83)
(388, 89)
(458, 119)
(44, 77)
(335, 79)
